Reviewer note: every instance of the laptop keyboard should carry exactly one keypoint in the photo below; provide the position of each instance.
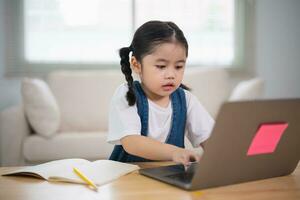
(182, 177)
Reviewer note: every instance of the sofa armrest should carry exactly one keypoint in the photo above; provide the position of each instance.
(13, 130)
(248, 90)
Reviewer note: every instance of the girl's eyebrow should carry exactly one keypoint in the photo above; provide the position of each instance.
(164, 60)
(183, 61)
(161, 60)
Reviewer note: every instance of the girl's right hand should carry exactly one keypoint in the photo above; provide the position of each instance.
(185, 156)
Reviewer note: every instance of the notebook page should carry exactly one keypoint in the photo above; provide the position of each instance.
(58, 168)
(105, 171)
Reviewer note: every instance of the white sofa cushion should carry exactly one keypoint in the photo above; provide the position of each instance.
(248, 90)
(210, 85)
(83, 97)
(90, 145)
(40, 106)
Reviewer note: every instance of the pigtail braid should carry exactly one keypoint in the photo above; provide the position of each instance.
(125, 67)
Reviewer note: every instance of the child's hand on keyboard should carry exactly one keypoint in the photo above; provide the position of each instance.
(185, 156)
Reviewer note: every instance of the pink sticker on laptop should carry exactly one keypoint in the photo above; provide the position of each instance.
(266, 138)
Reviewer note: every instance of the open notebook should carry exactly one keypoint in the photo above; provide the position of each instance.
(99, 171)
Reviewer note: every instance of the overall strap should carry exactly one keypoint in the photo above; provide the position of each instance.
(176, 135)
(142, 107)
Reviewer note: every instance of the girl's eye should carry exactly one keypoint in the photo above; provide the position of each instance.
(179, 67)
(160, 66)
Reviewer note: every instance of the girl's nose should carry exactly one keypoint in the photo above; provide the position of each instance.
(170, 74)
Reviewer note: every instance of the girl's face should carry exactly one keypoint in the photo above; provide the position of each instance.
(161, 72)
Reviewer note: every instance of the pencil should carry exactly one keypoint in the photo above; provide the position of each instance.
(84, 178)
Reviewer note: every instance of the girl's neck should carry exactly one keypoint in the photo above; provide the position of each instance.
(162, 101)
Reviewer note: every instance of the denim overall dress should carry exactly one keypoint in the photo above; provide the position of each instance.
(176, 134)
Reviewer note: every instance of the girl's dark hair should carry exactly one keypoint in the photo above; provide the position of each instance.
(145, 39)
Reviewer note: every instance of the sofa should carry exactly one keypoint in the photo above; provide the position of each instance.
(76, 124)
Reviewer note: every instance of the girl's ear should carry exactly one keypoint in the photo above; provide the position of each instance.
(136, 65)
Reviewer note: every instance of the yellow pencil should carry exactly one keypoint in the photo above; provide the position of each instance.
(84, 178)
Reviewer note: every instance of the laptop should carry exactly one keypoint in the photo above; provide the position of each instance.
(251, 140)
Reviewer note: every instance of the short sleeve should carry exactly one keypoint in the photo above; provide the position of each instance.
(123, 119)
(199, 122)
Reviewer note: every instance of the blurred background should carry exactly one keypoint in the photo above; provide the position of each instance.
(247, 37)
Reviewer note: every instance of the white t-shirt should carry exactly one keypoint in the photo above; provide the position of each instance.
(124, 119)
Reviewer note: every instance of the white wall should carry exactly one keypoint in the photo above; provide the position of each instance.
(278, 46)
(9, 88)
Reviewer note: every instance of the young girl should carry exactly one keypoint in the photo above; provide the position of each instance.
(148, 119)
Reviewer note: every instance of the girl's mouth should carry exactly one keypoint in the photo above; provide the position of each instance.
(168, 87)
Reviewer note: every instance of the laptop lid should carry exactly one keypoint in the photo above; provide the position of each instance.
(227, 158)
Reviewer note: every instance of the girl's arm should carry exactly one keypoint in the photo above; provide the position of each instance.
(154, 150)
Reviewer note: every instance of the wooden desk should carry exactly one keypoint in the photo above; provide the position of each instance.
(135, 186)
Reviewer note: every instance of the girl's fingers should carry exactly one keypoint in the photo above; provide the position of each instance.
(190, 158)
(183, 159)
(197, 158)
(186, 157)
